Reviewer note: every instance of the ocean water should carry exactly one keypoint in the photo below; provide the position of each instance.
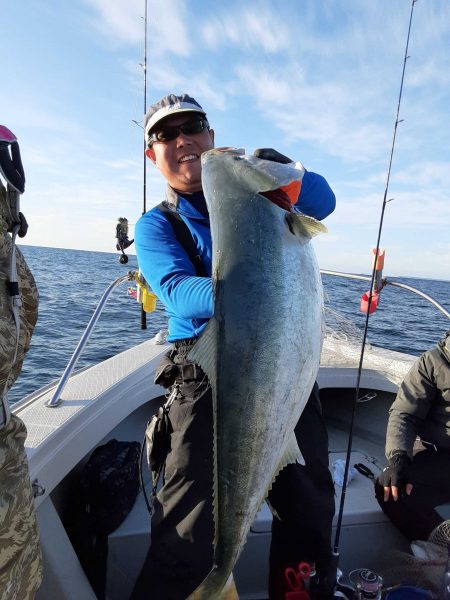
(71, 282)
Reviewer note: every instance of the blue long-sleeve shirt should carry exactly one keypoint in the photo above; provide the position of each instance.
(166, 266)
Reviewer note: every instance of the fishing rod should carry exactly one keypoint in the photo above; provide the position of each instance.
(335, 553)
(144, 66)
(119, 234)
(144, 190)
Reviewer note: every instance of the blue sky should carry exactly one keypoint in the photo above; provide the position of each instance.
(316, 79)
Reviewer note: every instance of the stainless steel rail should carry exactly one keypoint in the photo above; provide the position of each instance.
(385, 281)
(56, 398)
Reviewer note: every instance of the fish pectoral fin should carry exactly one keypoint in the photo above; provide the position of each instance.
(304, 226)
(204, 352)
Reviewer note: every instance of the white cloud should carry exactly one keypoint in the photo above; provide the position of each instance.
(122, 22)
(124, 163)
(326, 113)
(319, 78)
(427, 174)
(208, 89)
(430, 72)
(258, 28)
(117, 20)
(421, 209)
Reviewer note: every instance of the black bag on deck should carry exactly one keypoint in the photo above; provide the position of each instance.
(109, 484)
(105, 493)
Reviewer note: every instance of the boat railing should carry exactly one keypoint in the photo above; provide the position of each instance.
(130, 276)
(56, 398)
(386, 281)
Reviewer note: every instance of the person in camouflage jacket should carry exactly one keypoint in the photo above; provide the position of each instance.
(20, 555)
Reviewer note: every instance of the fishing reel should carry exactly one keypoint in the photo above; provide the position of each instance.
(122, 239)
(362, 584)
(367, 584)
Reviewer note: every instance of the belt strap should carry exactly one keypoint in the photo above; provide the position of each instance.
(185, 343)
(189, 371)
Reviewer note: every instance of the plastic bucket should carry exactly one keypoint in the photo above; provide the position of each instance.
(407, 592)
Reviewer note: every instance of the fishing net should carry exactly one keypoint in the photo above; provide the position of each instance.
(341, 328)
(342, 348)
(424, 568)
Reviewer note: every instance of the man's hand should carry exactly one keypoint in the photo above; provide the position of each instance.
(396, 477)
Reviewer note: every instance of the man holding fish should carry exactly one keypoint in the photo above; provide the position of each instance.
(228, 254)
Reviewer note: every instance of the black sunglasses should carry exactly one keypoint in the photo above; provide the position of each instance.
(170, 132)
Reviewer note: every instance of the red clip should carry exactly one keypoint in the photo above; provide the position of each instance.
(364, 306)
(296, 582)
(378, 284)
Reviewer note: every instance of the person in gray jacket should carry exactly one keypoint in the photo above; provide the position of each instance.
(418, 446)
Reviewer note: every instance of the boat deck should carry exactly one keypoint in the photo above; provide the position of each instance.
(366, 531)
(116, 399)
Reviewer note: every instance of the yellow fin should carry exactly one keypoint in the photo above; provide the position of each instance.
(228, 592)
(304, 226)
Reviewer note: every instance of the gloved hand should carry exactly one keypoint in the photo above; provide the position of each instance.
(271, 154)
(396, 478)
(279, 196)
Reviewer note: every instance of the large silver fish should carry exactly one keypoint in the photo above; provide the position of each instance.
(261, 349)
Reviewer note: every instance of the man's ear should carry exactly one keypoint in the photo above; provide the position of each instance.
(211, 133)
(150, 153)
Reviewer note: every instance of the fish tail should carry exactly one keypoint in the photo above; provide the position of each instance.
(212, 587)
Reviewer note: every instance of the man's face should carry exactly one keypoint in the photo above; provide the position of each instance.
(179, 159)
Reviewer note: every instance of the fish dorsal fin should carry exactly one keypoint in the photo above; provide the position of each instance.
(304, 226)
(204, 352)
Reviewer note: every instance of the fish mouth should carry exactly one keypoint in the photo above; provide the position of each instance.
(280, 197)
(277, 182)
